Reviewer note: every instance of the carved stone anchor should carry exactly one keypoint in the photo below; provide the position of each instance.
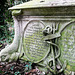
(55, 51)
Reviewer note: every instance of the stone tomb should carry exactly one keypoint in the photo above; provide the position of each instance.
(44, 34)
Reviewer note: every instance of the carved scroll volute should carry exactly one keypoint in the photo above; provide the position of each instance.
(12, 48)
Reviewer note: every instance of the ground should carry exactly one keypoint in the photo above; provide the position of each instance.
(20, 67)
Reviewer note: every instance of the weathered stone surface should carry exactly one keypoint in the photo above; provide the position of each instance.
(45, 8)
(31, 19)
(44, 4)
(34, 46)
(67, 46)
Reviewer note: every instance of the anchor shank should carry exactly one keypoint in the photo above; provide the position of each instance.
(54, 62)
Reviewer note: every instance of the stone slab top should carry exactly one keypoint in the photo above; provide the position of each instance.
(43, 4)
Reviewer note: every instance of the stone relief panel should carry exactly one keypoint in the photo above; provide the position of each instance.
(38, 50)
(67, 45)
(35, 47)
(44, 49)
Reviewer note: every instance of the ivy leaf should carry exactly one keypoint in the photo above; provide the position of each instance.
(12, 68)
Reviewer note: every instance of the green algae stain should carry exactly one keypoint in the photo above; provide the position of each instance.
(67, 46)
(16, 12)
(35, 47)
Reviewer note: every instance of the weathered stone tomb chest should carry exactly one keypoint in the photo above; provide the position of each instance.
(44, 34)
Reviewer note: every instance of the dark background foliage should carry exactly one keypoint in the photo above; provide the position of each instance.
(6, 20)
(3, 26)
